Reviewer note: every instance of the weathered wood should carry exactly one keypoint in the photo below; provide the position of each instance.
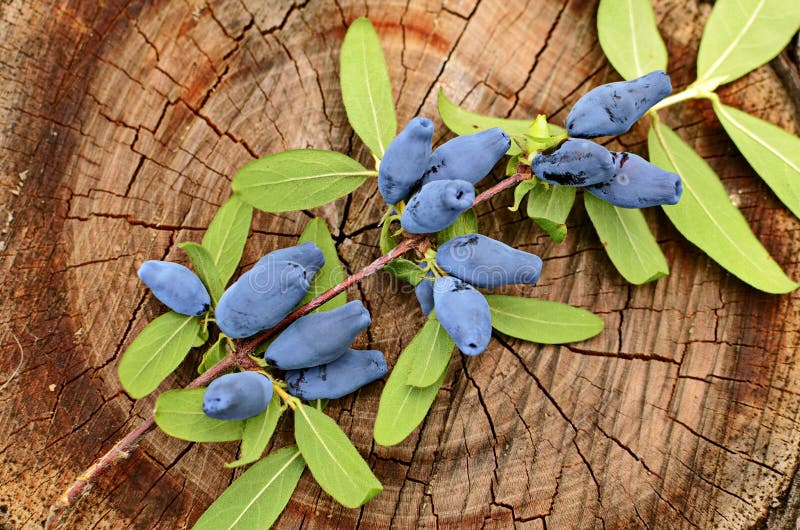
(122, 126)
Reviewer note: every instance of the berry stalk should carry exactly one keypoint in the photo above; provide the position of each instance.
(241, 357)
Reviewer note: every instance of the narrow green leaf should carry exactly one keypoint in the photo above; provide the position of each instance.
(741, 35)
(298, 179)
(257, 433)
(549, 207)
(226, 236)
(405, 270)
(203, 264)
(466, 223)
(628, 241)
(179, 413)
(212, 355)
(156, 352)
(553, 202)
(706, 217)
(773, 152)
(403, 407)
(432, 348)
(522, 189)
(542, 321)
(257, 498)
(512, 165)
(629, 37)
(332, 273)
(202, 335)
(333, 460)
(387, 240)
(366, 87)
(462, 122)
(556, 231)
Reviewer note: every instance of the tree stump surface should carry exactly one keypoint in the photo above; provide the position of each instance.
(123, 124)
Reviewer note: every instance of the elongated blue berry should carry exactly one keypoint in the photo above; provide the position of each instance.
(470, 157)
(486, 262)
(237, 396)
(574, 162)
(318, 338)
(405, 160)
(612, 109)
(464, 313)
(343, 376)
(638, 184)
(437, 205)
(424, 292)
(175, 286)
(262, 296)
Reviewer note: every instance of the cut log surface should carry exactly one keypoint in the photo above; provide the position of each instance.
(123, 123)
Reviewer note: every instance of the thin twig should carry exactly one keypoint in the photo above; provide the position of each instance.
(121, 450)
(241, 357)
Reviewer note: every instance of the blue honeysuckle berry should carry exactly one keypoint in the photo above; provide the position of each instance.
(485, 262)
(574, 162)
(470, 157)
(437, 205)
(638, 184)
(405, 160)
(318, 338)
(464, 313)
(237, 396)
(424, 292)
(612, 109)
(176, 287)
(265, 294)
(336, 379)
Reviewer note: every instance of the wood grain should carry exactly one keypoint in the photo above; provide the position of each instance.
(122, 125)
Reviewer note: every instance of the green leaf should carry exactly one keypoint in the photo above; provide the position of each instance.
(213, 355)
(521, 191)
(741, 35)
(405, 270)
(403, 407)
(298, 179)
(462, 122)
(706, 217)
(257, 498)
(226, 235)
(387, 241)
(773, 153)
(202, 335)
(332, 273)
(549, 207)
(551, 202)
(204, 266)
(629, 37)
(431, 348)
(257, 433)
(179, 413)
(556, 231)
(156, 352)
(366, 87)
(466, 223)
(332, 458)
(512, 165)
(628, 241)
(542, 321)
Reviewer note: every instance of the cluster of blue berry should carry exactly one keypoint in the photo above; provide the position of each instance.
(314, 350)
(439, 186)
(622, 179)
